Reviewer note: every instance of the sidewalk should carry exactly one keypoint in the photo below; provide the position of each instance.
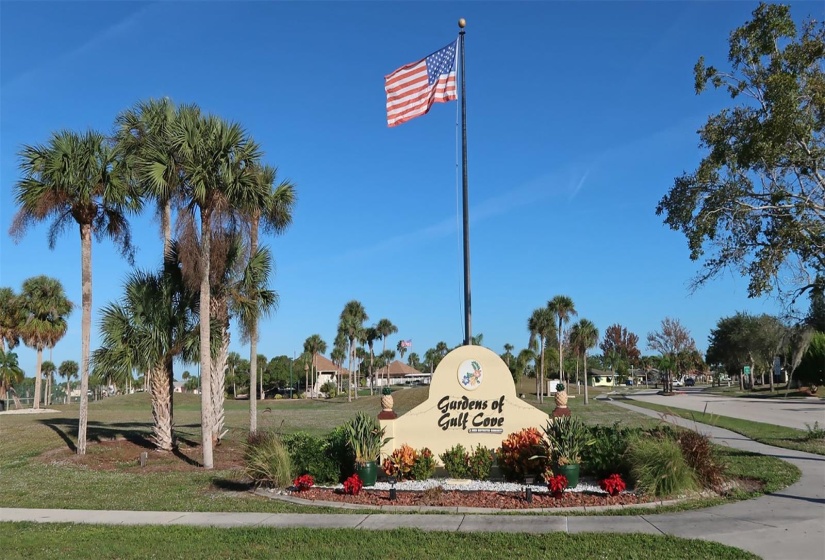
(784, 526)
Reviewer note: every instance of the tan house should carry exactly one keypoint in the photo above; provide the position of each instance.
(401, 374)
(326, 372)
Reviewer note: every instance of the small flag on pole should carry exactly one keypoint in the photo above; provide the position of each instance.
(406, 343)
(413, 88)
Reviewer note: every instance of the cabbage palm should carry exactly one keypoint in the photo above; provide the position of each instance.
(541, 327)
(10, 372)
(351, 324)
(143, 332)
(508, 352)
(385, 328)
(47, 369)
(73, 179)
(274, 212)
(370, 336)
(584, 336)
(67, 370)
(217, 159)
(313, 346)
(563, 308)
(11, 318)
(46, 307)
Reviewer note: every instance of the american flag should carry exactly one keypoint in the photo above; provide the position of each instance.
(406, 343)
(413, 88)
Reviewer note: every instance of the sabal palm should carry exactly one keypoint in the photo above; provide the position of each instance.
(351, 323)
(563, 308)
(273, 211)
(584, 336)
(313, 346)
(541, 326)
(401, 348)
(68, 369)
(73, 179)
(11, 317)
(385, 328)
(508, 349)
(143, 332)
(47, 369)
(46, 308)
(371, 335)
(217, 160)
(10, 372)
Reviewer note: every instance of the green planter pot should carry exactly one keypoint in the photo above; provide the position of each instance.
(571, 472)
(368, 473)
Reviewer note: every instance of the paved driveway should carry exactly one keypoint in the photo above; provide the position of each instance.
(794, 413)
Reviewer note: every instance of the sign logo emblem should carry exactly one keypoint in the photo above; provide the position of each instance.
(470, 374)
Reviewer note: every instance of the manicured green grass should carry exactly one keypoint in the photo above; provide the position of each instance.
(47, 541)
(769, 434)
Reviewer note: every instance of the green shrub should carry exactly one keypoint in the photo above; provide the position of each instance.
(424, 466)
(567, 437)
(658, 467)
(479, 463)
(330, 389)
(455, 461)
(278, 396)
(606, 454)
(340, 452)
(266, 460)
(309, 456)
(702, 458)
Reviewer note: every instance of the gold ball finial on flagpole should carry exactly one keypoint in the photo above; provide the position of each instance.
(462, 22)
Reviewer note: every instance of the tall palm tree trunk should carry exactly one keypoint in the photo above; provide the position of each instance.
(205, 354)
(169, 373)
(86, 332)
(38, 386)
(253, 343)
(161, 406)
(218, 385)
(585, 378)
(351, 356)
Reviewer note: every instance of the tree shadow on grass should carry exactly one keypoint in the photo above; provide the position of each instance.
(232, 485)
(136, 433)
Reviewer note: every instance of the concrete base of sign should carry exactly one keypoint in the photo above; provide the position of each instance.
(472, 401)
(561, 411)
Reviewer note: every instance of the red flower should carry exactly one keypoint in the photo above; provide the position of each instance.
(613, 484)
(303, 482)
(557, 485)
(353, 485)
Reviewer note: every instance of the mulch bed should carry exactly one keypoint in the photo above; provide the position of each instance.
(474, 498)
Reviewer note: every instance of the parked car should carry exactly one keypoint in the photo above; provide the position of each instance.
(690, 382)
(629, 382)
(677, 383)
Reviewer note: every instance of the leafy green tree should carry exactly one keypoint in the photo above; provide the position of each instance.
(670, 341)
(620, 346)
(74, 179)
(11, 318)
(756, 201)
(562, 307)
(46, 308)
(67, 370)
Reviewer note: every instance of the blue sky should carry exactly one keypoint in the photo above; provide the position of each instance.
(580, 115)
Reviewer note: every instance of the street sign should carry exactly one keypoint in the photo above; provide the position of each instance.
(747, 370)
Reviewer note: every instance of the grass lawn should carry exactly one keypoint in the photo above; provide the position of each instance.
(38, 468)
(35, 541)
(769, 434)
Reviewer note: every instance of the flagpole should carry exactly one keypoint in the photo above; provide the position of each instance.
(468, 332)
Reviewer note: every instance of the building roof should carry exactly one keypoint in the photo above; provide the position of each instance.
(324, 364)
(400, 368)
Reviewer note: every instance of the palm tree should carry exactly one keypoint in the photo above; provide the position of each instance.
(584, 336)
(313, 346)
(217, 160)
(371, 334)
(233, 360)
(73, 179)
(563, 308)
(414, 361)
(11, 317)
(10, 373)
(47, 369)
(385, 329)
(339, 356)
(351, 324)
(67, 370)
(523, 361)
(508, 349)
(274, 213)
(401, 348)
(46, 308)
(143, 332)
(541, 328)
(388, 356)
(477, 339)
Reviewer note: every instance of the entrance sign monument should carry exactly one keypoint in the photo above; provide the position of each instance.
(472, 401)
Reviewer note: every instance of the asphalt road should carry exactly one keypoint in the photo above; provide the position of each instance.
(794, 413)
